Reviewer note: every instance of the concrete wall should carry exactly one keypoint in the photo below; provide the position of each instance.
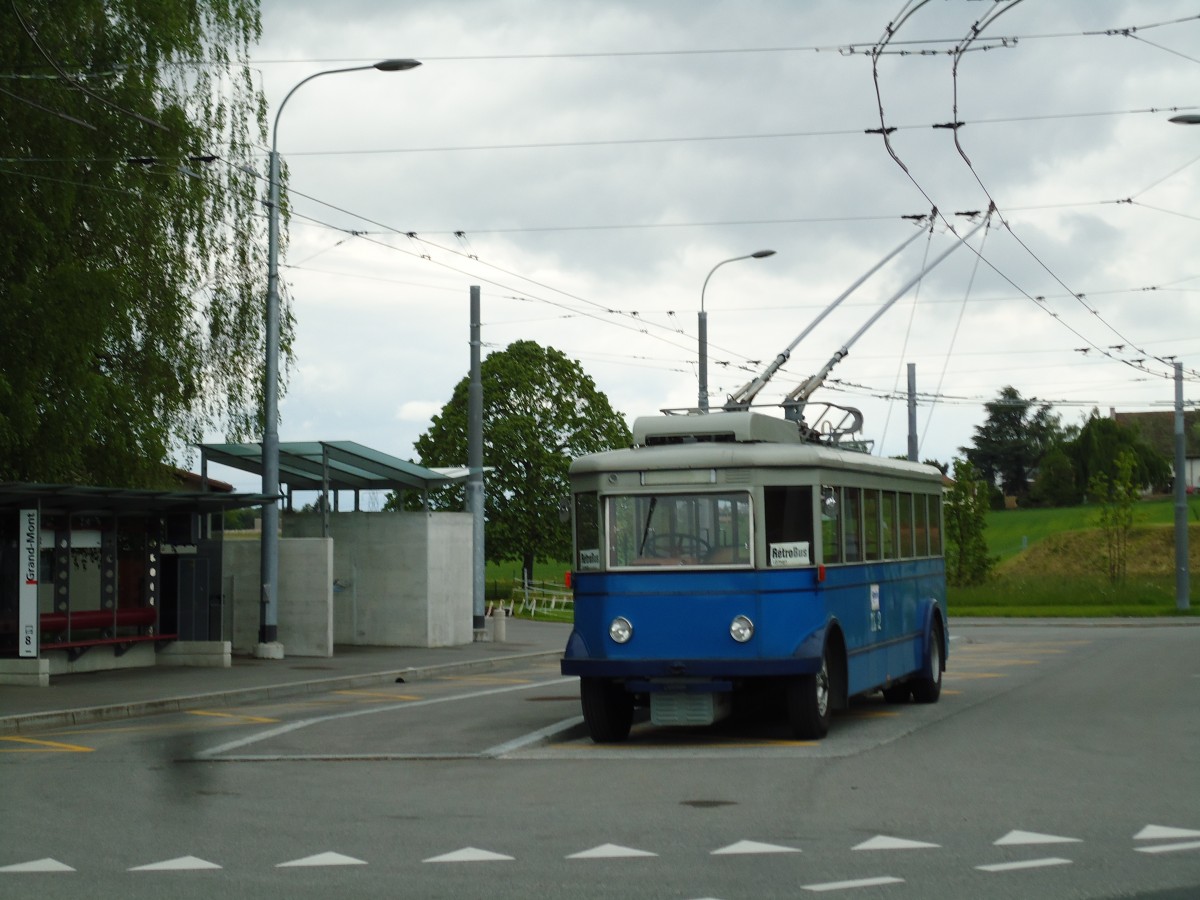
(305, 595)
(400, 579)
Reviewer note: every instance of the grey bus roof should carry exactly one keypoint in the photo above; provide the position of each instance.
(740, 427)
(713, 448)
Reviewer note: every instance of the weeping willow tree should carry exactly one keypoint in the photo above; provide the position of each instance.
(133, 264)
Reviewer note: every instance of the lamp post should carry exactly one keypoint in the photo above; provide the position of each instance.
(703, 325)
(268, 631)
(1182, 586)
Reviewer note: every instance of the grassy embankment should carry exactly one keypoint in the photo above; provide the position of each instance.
(1052, 562)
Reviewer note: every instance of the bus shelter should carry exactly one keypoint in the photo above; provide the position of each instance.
(89, 567)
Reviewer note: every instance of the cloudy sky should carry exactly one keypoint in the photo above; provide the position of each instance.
(587, 164)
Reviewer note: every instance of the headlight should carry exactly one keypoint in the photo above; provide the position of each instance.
(620, 630)
(741, 629)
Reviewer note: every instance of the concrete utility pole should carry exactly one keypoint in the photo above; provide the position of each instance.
(1182, 586)
(268, 630)
(913, 450)
(475, 494)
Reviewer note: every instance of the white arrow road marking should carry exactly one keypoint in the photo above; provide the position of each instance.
(38, 865)
(1169, 848)
(323, 859)
(1025, 864)
(610, 851)
(849, 885)
(182, 864)
(1164, 832)
(1021, 838)
(468, 854)
(752, 847)
(883, 842)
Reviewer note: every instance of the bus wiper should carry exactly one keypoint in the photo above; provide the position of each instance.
(646, 530)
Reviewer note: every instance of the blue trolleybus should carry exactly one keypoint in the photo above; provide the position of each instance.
(728, 552)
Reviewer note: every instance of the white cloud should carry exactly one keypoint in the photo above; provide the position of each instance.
(382, 322)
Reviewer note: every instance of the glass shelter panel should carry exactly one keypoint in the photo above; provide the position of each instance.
(685, 530)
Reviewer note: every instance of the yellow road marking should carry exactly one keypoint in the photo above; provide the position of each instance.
(951, 693)
(383, 694)
(965, 676)
(484, 679)
(994, 661)
(871, 714)
(258, 720)
(44, 746)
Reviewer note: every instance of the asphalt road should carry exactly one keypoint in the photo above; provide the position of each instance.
(1060, 762)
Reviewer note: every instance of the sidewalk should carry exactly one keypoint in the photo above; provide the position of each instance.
(124, 693)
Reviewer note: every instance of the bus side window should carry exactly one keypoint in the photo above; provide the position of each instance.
(906, 526)
(871, 520)
(921, 515)
(831, 519)
(935, 525)
(852, 524)
(888, 518)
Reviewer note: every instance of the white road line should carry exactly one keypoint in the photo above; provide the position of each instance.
(1169, 848)
(883, 842)
(611, 851)
(749, 847)
(38, 865)
(1164, 832)
(1025, 864)
(354, 713)
(534, 737)
(1023, 838)
(182, 864)
(322, 859)
(850, 885)
(469, 854)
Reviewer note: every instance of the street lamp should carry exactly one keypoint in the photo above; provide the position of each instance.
(1182, 586)
(268, 631)
(703, 325)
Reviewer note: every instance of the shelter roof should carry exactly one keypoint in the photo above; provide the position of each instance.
(101, 500)
(351, 466)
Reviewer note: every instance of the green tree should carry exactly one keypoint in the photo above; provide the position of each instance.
(132, 270)
(1013, 439)
(1100, 444)
(540, 409)
(1055, 484)
(1116, 496)
(965, 514)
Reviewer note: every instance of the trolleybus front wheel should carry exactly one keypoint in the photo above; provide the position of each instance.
(607, 709)
(809, 701)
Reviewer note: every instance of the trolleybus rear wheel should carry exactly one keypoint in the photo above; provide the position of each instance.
(607, 709)
(928, 687)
